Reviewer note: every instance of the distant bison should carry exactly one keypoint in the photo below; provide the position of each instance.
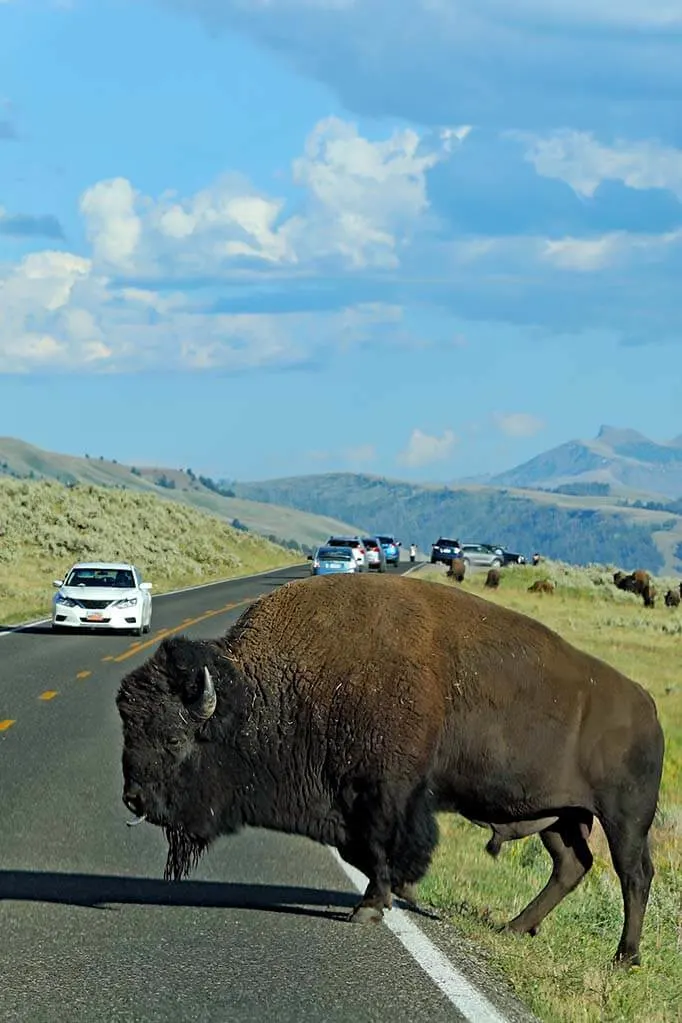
(457, 570)
(638, 582)
(280, 724)
(492, 580)
(542, 586)
(672, 598)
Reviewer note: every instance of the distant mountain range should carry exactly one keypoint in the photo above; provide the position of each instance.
(614, 500)
(623, 460)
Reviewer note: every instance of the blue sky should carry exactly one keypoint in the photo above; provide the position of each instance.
(425, 239)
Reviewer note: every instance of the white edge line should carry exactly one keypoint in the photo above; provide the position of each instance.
(170, 593)
(459, 991)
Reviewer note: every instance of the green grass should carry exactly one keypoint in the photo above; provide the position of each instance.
(565, 973)
(46, 526)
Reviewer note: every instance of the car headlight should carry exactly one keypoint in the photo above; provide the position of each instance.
(128, 602)
(65, 601)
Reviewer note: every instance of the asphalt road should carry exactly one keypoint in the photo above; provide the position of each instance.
(90, 932)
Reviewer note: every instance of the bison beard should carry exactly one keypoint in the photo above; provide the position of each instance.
(184, 852)
(282, 724)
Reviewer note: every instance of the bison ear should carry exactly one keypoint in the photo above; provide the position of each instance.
(204, 706)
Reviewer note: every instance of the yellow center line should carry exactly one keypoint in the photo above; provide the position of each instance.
(49, 694)
(84, 674)
(7, 723)
(178, 628)
(109, 657)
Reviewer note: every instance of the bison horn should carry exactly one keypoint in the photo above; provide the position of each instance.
(204, 706)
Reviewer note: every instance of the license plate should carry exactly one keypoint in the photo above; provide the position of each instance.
(94, 618)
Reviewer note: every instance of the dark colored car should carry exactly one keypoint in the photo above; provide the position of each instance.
(508, 557)
(391, 548)
(444, 550)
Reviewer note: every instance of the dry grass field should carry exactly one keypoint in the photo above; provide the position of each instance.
(46, 526)
(565, 973)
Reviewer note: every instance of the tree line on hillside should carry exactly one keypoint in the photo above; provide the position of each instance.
(420, 515)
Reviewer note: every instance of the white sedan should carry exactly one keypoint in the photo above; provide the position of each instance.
(102, 595)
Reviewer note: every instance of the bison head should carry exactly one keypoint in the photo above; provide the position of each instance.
(168, 710)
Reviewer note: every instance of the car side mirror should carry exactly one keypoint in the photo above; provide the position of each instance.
(57, 582)
(400, 543)
(310, 557)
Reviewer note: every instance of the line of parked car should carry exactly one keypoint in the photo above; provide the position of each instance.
(481, 555)
(355, 554)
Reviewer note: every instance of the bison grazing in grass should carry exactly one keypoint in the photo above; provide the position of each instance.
(442, 702)
(672, 598)
(542, 586)
(492, 580)
(457, 570)
(638, 582)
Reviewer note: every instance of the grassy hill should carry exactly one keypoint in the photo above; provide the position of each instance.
(20, 460)
(45, 526)
(624, 461)
(562, 526)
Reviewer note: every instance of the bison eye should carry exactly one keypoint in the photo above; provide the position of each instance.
(175, 742)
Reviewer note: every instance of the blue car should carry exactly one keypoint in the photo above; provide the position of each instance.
(391, 548)
(332, 560)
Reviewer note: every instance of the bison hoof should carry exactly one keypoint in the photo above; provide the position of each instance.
(407, 892)
(518, 928)
(627, 961)
(366, 915)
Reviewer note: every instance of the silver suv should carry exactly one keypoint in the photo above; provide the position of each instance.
(482, 555)
(356, 545)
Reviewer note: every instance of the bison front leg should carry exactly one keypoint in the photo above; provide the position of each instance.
(566, 843)
(371, 859)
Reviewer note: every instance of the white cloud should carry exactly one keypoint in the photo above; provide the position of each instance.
(424, 449)
(583, 162)
(113, 227)
(590, 254)
(518, 424)
(362, 202)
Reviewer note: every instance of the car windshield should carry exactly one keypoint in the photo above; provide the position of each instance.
(386, 539)
(335, 554)
(371, 543)
(344, 543)
(447, 543)
(117, 578)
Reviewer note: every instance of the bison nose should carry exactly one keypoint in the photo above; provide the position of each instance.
(132, 798)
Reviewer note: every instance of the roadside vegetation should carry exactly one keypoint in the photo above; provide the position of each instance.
(565, 974)
(46, 526)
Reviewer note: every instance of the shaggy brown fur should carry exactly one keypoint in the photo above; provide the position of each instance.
(542, 586)
(453, 704)
(639, 582)
(672, 598)
(492, 580)
(457, 570)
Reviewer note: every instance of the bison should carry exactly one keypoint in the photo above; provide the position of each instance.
(542, 586)
(492, 580)
(457, 570)
(638, 582)
(454, 704)
(672, 598)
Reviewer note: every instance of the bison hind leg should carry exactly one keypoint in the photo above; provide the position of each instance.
(566, 842)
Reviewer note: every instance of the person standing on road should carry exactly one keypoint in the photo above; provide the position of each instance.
(413, 552)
